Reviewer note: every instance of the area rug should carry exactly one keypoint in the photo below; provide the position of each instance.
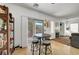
(63, 40)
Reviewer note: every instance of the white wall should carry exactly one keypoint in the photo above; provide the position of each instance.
(62, 29)
(24, 31)
(19, 11)
(52, 29)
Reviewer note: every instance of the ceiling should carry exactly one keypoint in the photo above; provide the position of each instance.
(58, 10)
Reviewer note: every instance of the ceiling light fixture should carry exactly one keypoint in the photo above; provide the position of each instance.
(52, 3)
(35, 5)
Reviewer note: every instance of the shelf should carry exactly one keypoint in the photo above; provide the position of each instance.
(11, 30)
(2, 14)
(3, 31)
(4, 17)
(11, 21)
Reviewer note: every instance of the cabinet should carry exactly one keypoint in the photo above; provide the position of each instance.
(4, 30)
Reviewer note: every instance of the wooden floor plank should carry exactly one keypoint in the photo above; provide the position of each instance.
(60, 46)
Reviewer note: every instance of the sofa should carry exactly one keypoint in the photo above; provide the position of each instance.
(75, 40)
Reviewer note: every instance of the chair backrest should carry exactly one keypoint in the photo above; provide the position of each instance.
(35, 38)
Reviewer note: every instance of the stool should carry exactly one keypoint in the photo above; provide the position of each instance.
(34, 45)
(47, 47)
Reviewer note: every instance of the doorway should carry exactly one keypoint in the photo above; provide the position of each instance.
(35, 26)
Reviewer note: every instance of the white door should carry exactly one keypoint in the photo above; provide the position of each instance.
(24, 29)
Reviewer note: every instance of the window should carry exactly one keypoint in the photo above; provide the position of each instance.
(74, 28)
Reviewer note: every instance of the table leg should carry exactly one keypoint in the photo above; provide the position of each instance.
(45, 50)
(40, 47)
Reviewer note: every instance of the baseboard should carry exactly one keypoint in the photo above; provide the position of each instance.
(18, 46)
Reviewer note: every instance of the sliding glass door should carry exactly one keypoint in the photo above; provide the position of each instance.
(39, 27)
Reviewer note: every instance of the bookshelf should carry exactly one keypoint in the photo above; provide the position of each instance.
(4, 30)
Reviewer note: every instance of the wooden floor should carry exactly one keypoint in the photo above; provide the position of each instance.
(20, 51)
(60, 46)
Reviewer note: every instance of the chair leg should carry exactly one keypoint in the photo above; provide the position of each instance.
(50, 50)
(33, 50)
(45, 50)
(36, 47)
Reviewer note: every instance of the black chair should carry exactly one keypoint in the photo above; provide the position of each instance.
(47, 47)
(34, 46)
